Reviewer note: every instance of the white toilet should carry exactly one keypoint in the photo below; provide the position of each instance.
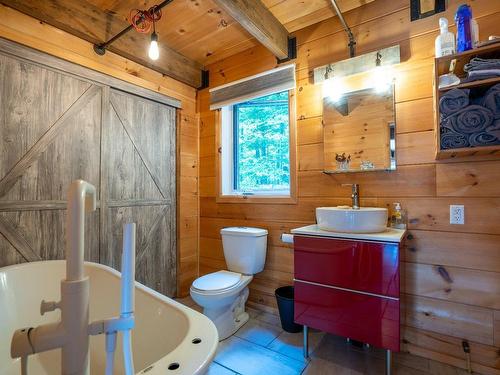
(223, 294)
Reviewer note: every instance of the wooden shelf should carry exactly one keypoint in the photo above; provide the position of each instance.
(443, 63)
(478, 83)
(442, 66)
(468, 151)
(472, 52)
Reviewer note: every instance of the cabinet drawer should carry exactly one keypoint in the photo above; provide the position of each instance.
(371, 267)
(369, 319)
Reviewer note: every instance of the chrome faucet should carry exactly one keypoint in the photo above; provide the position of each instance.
(354, 195)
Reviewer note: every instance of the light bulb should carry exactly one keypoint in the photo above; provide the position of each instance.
(154, 51)
(333, 89)
(382, 78)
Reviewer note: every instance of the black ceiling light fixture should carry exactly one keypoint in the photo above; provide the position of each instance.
(142, 21)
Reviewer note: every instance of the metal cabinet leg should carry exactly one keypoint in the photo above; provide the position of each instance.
(306, 342)
(388, 362)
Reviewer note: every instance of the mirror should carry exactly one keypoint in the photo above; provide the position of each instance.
(359, 132)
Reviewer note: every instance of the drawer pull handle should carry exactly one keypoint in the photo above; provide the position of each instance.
(444, 274)
(345, 289)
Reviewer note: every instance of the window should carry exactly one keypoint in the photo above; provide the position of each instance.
(256, 147)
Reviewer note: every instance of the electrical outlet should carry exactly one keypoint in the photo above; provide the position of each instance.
(457, 214)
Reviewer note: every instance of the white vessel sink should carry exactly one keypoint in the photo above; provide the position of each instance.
(348, 220)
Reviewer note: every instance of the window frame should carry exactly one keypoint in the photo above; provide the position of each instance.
(220, 144)
(235, 126)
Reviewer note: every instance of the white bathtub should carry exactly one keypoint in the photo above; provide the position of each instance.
(162, 336)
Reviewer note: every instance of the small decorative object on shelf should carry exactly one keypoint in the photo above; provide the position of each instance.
(343, 161)
(468, 112)
(367, 165)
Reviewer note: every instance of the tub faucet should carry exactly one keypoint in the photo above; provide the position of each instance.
(354, 195)
(71, 333)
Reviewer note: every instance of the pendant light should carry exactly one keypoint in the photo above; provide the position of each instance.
(140, 21)
(154, 51)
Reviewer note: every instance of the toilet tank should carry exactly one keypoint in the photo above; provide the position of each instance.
(244, 249)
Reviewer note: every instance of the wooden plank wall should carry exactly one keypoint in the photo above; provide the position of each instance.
(452, 272)
(25, 30)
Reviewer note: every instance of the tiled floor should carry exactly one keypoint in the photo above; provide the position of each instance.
(261, 347)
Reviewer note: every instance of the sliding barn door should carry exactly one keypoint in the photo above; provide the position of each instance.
(138, 184)
(49, 136)
(55, 128)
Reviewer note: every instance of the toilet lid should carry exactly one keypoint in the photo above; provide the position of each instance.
(217, 281)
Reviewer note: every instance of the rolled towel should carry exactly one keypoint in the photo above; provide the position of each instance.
(483, 139)
(453, 101)
(476, 75)
(471, 119)
(491, 100)
(451, 139)
(494, 129)
(478, 63)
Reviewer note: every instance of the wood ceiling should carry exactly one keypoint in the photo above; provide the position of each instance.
(192, 33)
(297, 14)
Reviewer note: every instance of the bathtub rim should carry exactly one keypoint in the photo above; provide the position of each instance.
(184, 353)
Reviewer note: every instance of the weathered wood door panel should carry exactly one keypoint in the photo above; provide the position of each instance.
(154, 241)
(126, 176)
(32, 99)
(67, 151)
(41, 235)
(148, 125)
(55, 128)
(139, 185)
(49, 127)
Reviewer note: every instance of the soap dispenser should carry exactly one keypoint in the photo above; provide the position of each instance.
(398, 217)
(445, 42)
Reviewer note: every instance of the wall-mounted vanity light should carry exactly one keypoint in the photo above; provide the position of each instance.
(378, 63)
(382, 76)
(333, 88)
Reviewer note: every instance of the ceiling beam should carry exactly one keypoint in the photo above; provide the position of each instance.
(255, 18)
(84, 20)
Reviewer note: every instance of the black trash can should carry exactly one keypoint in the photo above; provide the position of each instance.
(284, 296)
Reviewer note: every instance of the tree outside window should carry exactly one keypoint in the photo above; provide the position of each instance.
(261, 144)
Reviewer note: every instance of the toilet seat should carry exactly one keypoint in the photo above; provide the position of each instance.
(217, 282)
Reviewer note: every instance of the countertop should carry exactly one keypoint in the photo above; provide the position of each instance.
(390, 235)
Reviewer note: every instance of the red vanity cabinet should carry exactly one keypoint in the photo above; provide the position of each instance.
(349, 288)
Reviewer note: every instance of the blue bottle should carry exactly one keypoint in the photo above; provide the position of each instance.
(463, 19)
